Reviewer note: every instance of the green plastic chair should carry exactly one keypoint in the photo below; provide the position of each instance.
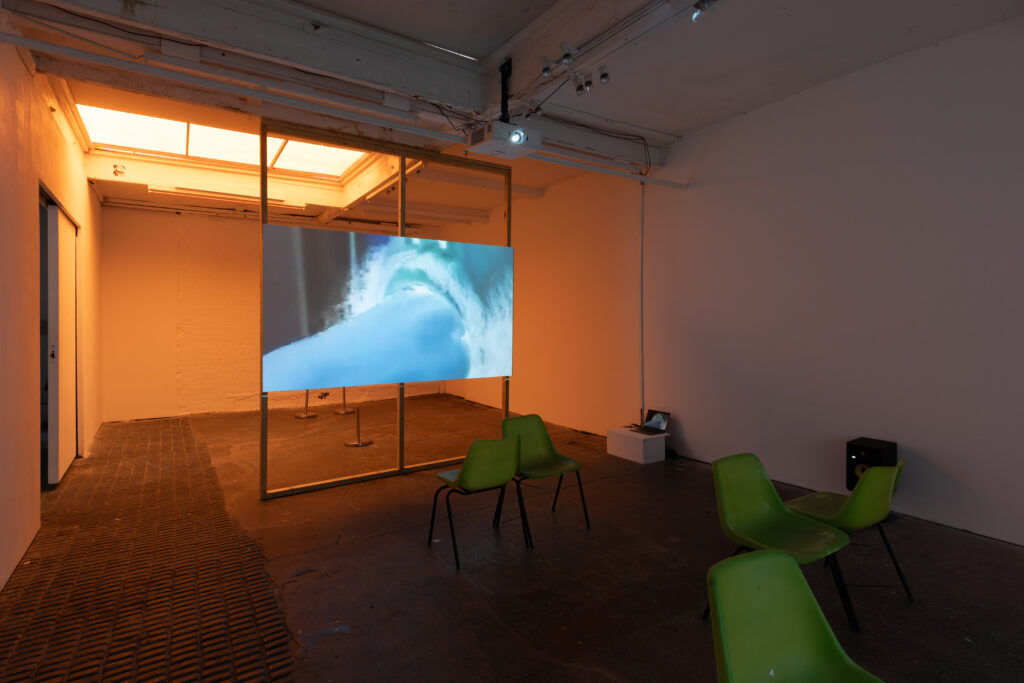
(489, 465)
(538, 457)
(755, 518)
(868, 505)
(768, 626)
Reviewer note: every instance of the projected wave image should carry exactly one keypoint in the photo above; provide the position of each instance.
(347, 309)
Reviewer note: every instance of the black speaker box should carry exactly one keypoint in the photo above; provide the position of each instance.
(862, 453)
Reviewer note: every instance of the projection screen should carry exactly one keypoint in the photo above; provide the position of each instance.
(344, 309)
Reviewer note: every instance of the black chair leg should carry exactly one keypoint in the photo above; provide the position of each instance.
(844, 595)
(579, 481)
(527, 536)
(433, 513)
(451, 528)
(497, 510)
(557, 490)
(903, 580)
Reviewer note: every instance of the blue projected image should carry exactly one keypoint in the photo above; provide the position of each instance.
(344, 309)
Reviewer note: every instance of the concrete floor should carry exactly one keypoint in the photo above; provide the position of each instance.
(367, 599)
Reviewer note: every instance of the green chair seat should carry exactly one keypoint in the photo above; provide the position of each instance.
(538, 457)
(489, 465)
(768, 626)
(755, 518)
(752, 514)
(867, 505)
(822, 506)
(449, 478)
(792, 534)
(556, 465)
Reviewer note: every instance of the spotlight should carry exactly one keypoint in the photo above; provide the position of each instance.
(517, 136)
(588, 82)
(579, 89)
(567, 53)
(700, 7)
(604, 74)
(546, 69)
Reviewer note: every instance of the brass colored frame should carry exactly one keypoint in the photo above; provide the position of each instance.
(404, 152)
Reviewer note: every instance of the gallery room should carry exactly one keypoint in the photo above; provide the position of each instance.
(689, 304)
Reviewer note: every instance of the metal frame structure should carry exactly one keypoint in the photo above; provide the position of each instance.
(404, 153)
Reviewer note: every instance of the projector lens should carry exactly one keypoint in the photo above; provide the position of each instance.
(517, 137)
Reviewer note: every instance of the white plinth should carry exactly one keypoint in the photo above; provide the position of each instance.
(641, 448)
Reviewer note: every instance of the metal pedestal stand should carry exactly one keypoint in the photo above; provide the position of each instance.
(344, 409)
(358, 443)
(305, 414)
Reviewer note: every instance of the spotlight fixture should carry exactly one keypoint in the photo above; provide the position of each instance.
(700, 7)
(568, 52)
(604, 74)
(546, 69)
(588, 82)
(580, 89)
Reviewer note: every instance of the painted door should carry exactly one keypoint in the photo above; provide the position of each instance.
(62, 354)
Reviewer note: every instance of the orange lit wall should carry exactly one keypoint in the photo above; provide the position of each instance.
(181, 318)
(35, 151)
(181, 314)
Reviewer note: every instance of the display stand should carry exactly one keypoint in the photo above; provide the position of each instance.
(305, 414)
(344, 409)
(636, 446)
(358, 443)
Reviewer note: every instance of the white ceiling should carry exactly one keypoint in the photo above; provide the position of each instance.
(741, 55)
(469, 27)
(682, 74)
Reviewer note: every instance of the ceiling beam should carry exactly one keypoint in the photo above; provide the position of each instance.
(299, 36)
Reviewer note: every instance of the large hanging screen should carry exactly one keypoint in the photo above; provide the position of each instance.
(344, 309)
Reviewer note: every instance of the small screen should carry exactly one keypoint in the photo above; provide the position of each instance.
(344, 309)
(656, 420)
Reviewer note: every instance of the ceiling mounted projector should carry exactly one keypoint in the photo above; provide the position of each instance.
(505, 140)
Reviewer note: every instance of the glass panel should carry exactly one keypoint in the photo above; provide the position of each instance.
(315, 246)
(454, 204)
(302, 451)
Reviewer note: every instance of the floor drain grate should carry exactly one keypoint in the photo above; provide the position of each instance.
(138, 572)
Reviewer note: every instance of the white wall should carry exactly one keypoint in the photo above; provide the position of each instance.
(848, 263)
(577, 326)
(35, 151)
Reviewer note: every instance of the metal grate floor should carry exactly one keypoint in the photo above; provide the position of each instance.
(138, 573)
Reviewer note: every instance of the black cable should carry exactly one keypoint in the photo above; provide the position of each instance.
(128, 31)
(447, 118)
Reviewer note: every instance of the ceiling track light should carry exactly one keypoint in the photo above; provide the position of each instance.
(700, 7)
(546, 69)
(568, 53)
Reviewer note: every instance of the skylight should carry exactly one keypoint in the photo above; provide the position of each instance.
(122, 129)
(151, 134)
(321, 159)
(229, 145)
